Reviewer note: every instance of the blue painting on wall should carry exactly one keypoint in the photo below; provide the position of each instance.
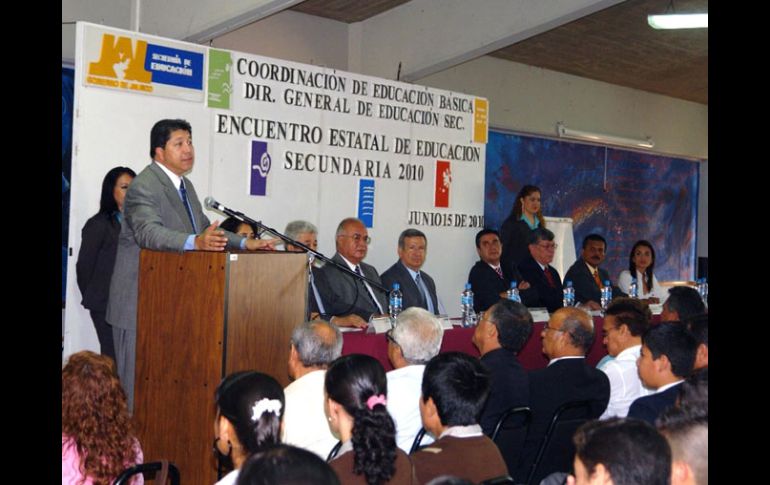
(620, 194)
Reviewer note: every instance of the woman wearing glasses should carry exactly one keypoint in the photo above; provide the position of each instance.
(525, 217)
(641, 263)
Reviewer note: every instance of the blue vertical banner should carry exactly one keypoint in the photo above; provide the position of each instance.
(366, 202)
(260, 167)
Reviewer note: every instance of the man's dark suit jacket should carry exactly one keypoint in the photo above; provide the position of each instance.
(509, 386)
(487, 285)
(585, 285)
(648, 408)
(412, 296)
(544, 295)
(342, 294)
(563, 381)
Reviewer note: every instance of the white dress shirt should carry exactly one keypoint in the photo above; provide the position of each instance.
(404, 391)
(657, 291)
(625, 385)
(304, 420)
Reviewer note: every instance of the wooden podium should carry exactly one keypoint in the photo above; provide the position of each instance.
(201, 316)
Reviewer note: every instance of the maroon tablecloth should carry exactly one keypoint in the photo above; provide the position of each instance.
(459, 339)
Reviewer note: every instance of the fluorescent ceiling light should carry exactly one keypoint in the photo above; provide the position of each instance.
(679, 21)
(565, 132)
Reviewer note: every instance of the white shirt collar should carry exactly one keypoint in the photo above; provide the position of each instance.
(350, 265)
(175, 179)
(591, 268)
(566, 357)
(463, 431)
(668, 386)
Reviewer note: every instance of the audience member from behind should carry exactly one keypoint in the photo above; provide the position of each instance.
(97, 442)
(699, 328)
(286, 465)
(567, 337)
(525, 217)
(621, 452)
(239, 227)
(314, 345)
(682, 304)
(641, 264)
(249, 412)
(98, 248)
(501, 333)
(625, 321)
(357, 391)
(455, 387)
(666, 359)
(413, 341)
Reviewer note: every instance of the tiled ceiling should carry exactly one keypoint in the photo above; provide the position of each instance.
(614, 45)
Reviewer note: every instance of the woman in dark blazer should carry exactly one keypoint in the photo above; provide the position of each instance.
(525, 217)
(98, 247)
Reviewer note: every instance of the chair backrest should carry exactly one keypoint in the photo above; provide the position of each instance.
(417, 440)
(156, 470)
(510, 433)
(498, 480)
(334, 451)
(557, 450)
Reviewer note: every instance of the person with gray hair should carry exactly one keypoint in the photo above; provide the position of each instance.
(304, 232)
(413, 341)
(314, 345)
(536, 268)
(417, 287)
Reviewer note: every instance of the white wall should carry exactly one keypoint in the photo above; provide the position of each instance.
(112, 13)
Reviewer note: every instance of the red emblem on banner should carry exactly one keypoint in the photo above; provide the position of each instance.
(443, 182)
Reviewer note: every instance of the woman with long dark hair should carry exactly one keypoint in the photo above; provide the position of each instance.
(98, 248)
(525, 217)
(249, 412)
(97, 442)
(357, 389)
(641, 265)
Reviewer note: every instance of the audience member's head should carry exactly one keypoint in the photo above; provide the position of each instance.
(357, 391)
(488, 246)
(569, 332)
(314, 345)
(668, 354)
(449, 480)
(625, 321)
(541, 245)
(238, 227)
(352, 239)
(455, 387)
(686, 429)
(506, 324)
(286, 465)
(114, 187)
(594, 249)
(95, 416)
(415, 338)
(694, 393)
(620, 451)
(412, 248)
(683, 303)
(249, 412)
(699, 328)
(303, 232)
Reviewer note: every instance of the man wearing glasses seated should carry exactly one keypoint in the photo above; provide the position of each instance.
(349, 301)
(536, 268)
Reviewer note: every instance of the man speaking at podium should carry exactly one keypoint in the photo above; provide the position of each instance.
(161, 212)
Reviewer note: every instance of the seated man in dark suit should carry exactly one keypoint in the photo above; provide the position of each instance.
(488, 278)
(586, 275)
(567, 337)
(537, 270)
(500, 335)
(349, 301)
(667, 357)
(454, 389)
(417, 287)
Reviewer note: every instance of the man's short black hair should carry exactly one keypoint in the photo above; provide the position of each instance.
(685, 301)
(484, 232)
(513, 322)
(162, 130)
(540, 234)
(286, 465)
(594, 237)
(674, 341)
(459, 387)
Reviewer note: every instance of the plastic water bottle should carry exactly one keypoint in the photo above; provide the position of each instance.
(513, 292)
(466, 307)
(606, 294)
(633, 290)
(569, 294)
(395, 301)
(703, 290)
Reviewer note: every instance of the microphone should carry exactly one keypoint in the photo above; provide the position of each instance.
(212, 204)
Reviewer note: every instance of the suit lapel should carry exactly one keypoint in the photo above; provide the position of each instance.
(173, 197)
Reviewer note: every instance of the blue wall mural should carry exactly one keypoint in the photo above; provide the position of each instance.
(622, 195)
(67, 101)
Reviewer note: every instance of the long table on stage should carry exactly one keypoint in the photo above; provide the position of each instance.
(459, 339)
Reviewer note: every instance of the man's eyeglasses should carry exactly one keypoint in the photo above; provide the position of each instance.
(549, 246)
(358, 238)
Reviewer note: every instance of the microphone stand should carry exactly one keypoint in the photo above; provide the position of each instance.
(286, 239)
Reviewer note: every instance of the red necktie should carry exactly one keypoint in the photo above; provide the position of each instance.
(549, 277)
(499, 272)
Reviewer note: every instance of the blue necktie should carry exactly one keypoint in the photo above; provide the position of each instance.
(425, 296)
(183, 194)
